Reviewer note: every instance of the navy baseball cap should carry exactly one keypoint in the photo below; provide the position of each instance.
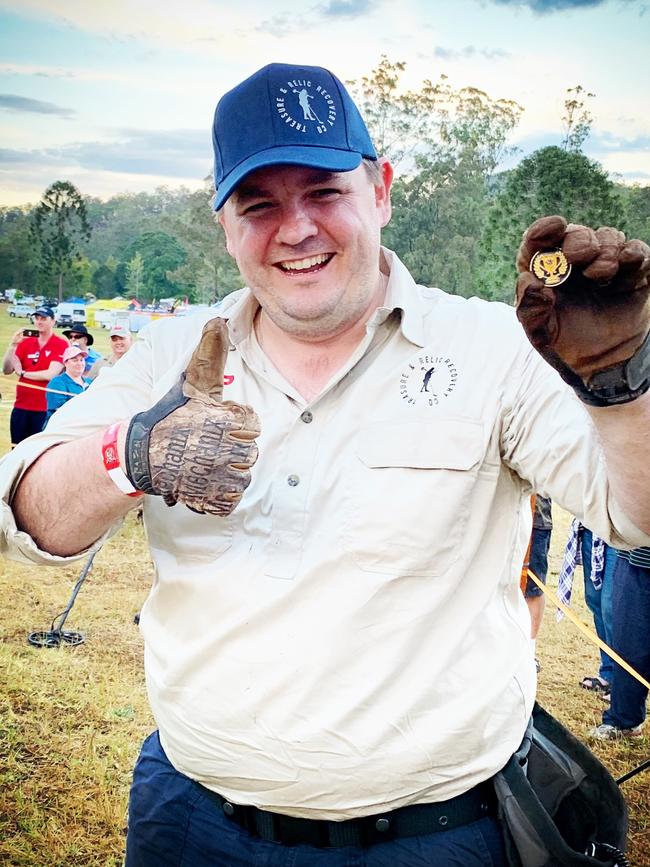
(286, 115)
(44, 311)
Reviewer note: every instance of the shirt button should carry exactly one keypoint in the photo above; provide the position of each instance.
(293, 481)
(307, 417)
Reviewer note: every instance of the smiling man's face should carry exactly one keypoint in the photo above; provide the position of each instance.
(306, 242)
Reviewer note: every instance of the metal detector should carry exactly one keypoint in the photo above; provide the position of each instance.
(56, 636)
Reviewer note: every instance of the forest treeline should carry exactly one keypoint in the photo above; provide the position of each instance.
(457, 219)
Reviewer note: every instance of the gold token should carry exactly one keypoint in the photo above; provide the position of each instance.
(551, 266)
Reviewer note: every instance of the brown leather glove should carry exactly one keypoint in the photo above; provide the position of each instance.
(191, 447)
(593, 327)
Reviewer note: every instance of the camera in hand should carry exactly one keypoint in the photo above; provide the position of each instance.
(30, 332)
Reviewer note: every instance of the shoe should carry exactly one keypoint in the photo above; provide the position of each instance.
(595, 684)
(607, 732)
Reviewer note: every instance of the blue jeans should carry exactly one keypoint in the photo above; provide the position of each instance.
(599, 602)
(540, 542)
(632, 640)
(173, 823)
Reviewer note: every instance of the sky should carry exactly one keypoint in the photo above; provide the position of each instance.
(118, 96)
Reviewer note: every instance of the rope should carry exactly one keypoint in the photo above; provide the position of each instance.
(43, 388)
(591, 635)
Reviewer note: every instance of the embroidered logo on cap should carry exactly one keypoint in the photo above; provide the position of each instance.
(306, 107)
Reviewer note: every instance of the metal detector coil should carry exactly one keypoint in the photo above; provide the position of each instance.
(55, 636)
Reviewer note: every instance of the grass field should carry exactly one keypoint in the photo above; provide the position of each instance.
(72, 720)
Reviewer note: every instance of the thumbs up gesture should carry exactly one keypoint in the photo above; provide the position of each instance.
(192, 447)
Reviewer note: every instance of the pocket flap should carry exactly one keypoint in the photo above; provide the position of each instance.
(451, 443)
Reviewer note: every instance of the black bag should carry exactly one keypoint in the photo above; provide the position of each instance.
(557, 802)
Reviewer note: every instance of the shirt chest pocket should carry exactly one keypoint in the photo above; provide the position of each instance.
(408, 494)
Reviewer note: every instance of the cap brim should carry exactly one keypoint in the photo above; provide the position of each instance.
(328, 159)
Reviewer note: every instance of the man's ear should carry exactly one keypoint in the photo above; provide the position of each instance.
(382, 191)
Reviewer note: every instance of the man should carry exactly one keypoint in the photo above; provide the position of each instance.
(36, 360)
(539, 545)
(120, 344)
(322, 621)
(80, 336)
(630, 630)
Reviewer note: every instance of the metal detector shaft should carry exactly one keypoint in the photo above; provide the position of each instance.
(75, 591)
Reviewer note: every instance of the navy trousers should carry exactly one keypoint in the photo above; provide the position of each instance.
(631, 627)
(173, 823)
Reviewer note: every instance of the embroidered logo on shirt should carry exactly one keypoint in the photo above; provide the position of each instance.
(47, 352)
(428, 380)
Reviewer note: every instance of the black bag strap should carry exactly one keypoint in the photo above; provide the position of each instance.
(529, 825)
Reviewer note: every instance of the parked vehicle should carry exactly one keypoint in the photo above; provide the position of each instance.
(66, 315)
(23, 310)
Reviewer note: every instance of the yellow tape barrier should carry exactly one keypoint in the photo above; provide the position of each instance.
(591, 635)
(44, 388)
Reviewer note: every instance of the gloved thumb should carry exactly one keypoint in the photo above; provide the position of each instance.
(204, 374)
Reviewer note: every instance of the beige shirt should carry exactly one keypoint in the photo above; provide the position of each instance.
(353, 637)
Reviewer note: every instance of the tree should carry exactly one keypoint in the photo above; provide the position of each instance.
(448, 144)
(59, 226)
(434, 121)
(104, 281)
(636, 200)
(161, 254)
(577, 118)
(549, 181)
(18, 262)
(210, 272)
(135, 275)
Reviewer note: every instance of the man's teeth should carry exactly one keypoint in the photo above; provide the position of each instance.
(305, 264)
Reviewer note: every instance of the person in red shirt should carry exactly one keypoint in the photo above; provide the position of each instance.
(36, 360)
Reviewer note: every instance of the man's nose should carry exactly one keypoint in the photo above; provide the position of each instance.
(296, 225)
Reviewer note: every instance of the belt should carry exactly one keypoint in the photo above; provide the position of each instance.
(410, 821)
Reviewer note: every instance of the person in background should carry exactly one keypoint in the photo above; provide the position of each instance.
(540, 541)
(80, 336)
(120, 344)
(36, 360)
(72, 381)
(631, 639)
(598, 560)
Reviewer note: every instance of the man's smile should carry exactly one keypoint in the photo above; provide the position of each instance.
(307, 265)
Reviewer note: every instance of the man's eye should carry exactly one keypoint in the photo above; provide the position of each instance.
(326, 192)
(256, 208)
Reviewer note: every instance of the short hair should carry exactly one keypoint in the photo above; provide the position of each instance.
(373, 170)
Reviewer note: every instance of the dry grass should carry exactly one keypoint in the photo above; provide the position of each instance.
(72, 720)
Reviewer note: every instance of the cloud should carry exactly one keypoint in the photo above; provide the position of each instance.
(468, 53)
(164, 153)
(11, 102)
(548, 6)
(34, 69)
(282, 25)
(79, 73)
(345, 8)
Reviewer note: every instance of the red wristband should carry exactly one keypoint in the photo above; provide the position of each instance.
(111, 459)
